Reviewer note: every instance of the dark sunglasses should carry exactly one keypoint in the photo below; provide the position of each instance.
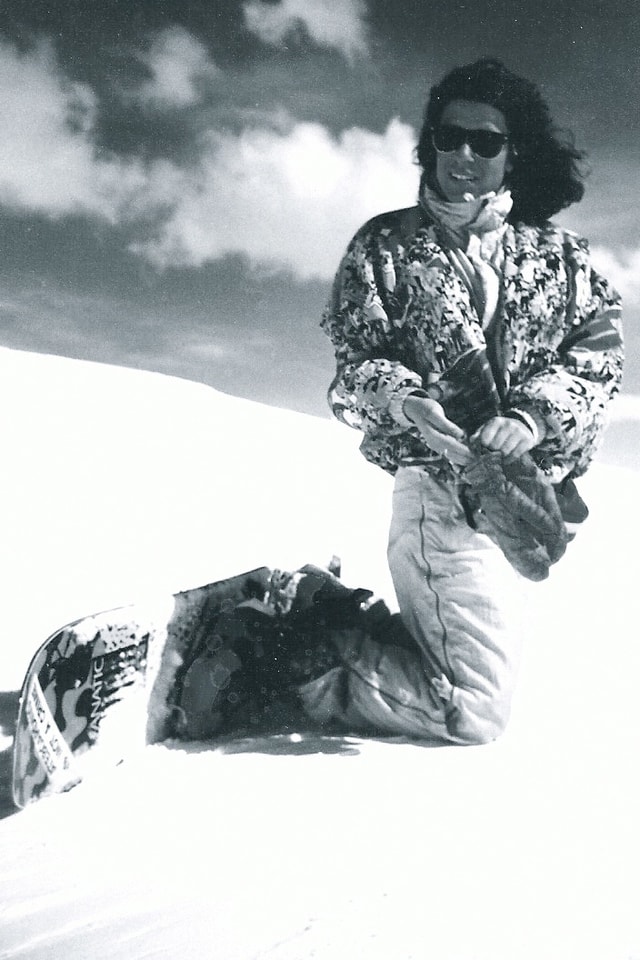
(485, 143)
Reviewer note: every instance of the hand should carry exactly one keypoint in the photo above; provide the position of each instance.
(505, 435)
(441, 434)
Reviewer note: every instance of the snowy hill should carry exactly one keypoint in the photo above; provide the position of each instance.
(118, 484)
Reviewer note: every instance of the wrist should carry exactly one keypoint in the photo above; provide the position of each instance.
(398, 406)
(407, 404)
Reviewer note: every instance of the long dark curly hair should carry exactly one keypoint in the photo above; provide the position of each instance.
(547, 173)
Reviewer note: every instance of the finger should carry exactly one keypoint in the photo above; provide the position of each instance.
(499, 437)
(504, 440)
(429, 412)
(437, 419)
(448, 446)
(515, 445)
(511, 447)
(486, 434)
(458, 452)
(522, 448)
(518, 440)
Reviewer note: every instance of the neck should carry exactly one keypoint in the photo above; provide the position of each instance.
(457, 220)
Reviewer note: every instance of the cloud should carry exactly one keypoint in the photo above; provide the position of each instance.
(178, 64)
(622, 268)
(48, 162)
(626, 407)
(289, 199)
(283, 193)
(339, 24)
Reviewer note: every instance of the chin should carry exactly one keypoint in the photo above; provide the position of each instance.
(462, 192)
(456, 190)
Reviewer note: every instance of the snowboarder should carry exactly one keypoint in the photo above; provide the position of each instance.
(477, 351)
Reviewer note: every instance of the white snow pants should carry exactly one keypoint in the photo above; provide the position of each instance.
(462, 602)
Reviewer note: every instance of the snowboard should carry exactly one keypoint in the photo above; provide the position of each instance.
(100, 688)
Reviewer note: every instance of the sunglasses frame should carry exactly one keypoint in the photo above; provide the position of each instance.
(470, 137)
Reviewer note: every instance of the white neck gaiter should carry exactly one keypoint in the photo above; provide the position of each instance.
(477, 216)
(471, 231)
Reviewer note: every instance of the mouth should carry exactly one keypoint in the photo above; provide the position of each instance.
(464, 183)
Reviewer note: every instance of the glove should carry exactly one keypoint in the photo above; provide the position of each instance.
(467, 391)
(518, 510)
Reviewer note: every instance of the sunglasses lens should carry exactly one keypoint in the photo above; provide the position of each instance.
(484, 143)
(446, 139)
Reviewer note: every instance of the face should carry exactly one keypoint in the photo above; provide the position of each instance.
(463, 171)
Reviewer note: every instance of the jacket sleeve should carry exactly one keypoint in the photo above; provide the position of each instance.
(569, 398)
(371, 381)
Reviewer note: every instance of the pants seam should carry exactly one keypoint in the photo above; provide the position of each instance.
(391, 697)
(429, 571)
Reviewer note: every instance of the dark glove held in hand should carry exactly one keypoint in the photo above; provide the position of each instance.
(520, 511)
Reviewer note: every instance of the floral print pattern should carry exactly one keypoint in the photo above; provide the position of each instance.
(400, 315)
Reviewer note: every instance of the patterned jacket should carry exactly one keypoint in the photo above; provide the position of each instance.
(400, 316)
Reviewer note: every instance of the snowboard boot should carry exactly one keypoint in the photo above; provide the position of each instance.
(257, 652)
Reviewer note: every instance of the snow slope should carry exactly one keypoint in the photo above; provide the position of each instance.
(117, 484)
(120, 482)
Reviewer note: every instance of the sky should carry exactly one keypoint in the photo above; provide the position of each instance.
(179, 178)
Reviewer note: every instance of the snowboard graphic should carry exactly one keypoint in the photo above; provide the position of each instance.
(100, 688)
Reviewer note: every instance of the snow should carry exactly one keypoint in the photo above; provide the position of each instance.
(120, 484)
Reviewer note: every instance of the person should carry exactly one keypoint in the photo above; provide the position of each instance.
(475, 269)
(473, 339)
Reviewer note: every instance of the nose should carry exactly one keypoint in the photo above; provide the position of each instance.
(465, 152)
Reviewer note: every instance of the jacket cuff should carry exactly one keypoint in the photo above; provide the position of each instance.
(534, 423)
